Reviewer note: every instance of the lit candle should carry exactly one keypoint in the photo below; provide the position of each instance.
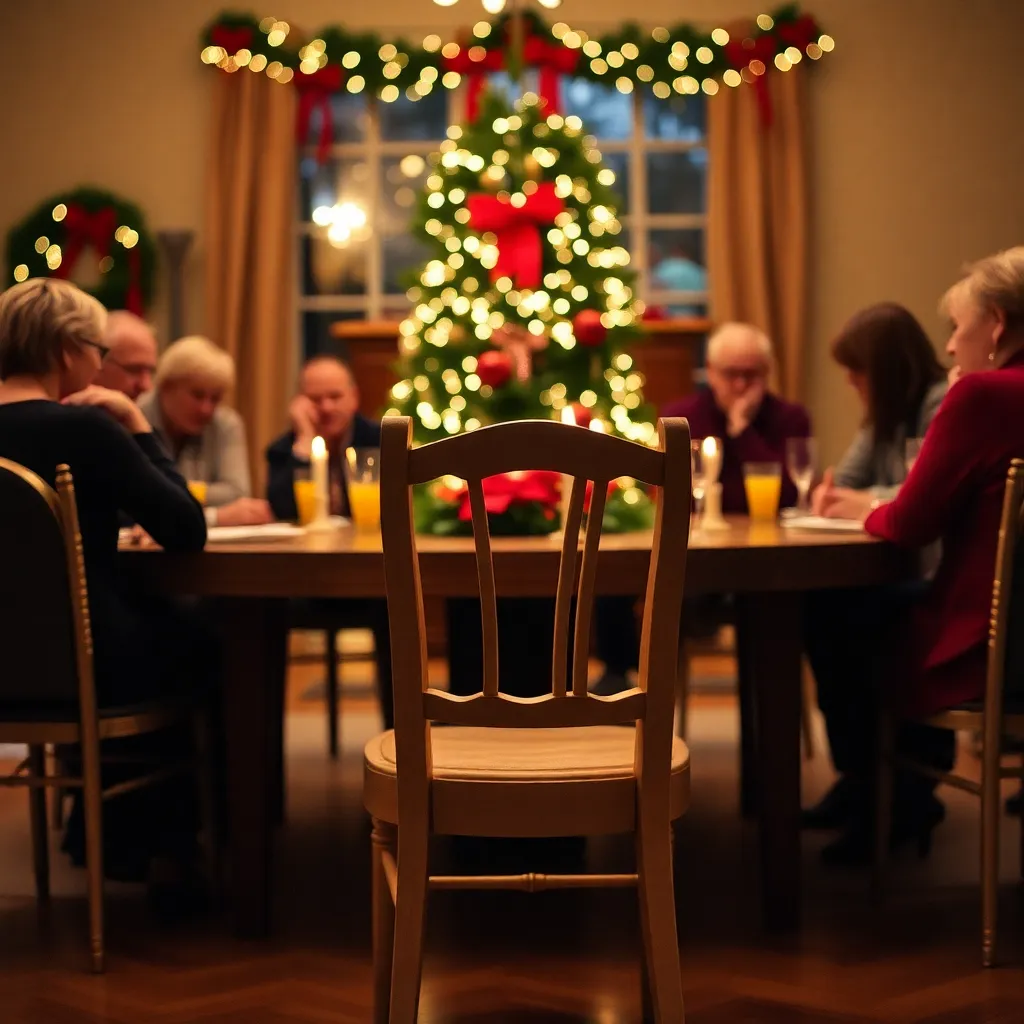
(569, 418)
(318, 469)
(711, 459)
(711, 448)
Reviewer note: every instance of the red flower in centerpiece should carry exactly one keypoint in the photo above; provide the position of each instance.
(518, 488)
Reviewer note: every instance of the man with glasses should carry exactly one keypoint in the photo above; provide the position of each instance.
(130, 357)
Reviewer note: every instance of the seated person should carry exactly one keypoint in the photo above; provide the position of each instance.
(130, 361)
(892, 366)
(205, 438)
(753, 426)
(51, 345)
(327, 406)
(933, 655)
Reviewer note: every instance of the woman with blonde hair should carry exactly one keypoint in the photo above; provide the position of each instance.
(936, 648)
(205, 437)
(51, 347)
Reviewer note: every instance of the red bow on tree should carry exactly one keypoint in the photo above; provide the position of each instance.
(231, 39)
(474, 70)
(741, 53)
(520, 254)
(508, 489)
(84, 228)
(553, 60)
(315, 93)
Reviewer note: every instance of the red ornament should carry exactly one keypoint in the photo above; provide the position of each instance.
(582, 414)
(494, 368)
(589, 330)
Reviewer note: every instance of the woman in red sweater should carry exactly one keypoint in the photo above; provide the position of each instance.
(936, 653)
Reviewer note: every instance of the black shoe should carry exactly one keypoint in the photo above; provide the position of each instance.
(834, 809)
(855, 847)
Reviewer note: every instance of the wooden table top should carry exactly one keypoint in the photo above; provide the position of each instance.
(746, 557)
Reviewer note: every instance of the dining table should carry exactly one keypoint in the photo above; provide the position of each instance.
(766, 568)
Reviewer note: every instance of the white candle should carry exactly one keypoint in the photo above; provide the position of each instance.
(711, 449)
(568, 417)
(318, 469)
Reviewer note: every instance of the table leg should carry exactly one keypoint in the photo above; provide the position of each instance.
(773, 625)
(254, 638)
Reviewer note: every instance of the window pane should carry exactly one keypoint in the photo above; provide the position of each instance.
(316, 331)
(403, 255)
(675, 181)
(679, 118)
(349, 118)
(333, 183)
(505, 85)
(330, 269)
(619, 163)
(606, 112)
(406, 120)
(402, 181)
(677, 264)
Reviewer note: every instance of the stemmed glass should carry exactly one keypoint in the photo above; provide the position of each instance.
(801, 458)
(698, 476)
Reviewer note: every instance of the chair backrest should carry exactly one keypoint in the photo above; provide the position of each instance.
(45, 636)
(585, 455)
(1006, 629)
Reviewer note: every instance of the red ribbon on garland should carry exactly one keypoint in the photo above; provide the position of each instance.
(83, 228)
(520, 254)
(508, 489)
(551, 59)
(315, 93)
(741, 53)
(231, 39)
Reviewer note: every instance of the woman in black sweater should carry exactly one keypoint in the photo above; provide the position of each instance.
(51, 348)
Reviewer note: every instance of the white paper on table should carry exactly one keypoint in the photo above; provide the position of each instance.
(269, 531)
(823, 523)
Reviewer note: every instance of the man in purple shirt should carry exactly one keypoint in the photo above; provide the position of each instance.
(737, 407)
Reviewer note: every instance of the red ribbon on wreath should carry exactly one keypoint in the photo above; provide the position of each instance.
(315, 93)
(473, 63)
(741, 53)
(520, 254)
(520, 488)
(83, 228)
(231, 39)
(799, 33)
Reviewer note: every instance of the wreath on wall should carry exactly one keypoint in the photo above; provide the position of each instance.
(51, 240)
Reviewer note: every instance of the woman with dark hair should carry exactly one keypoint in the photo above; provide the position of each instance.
(892, 366)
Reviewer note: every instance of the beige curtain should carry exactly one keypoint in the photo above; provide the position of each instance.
(249, 257)
(758, 217)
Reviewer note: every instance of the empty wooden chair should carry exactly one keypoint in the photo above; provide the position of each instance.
(998, 718)
(47, 690)
(564, 764)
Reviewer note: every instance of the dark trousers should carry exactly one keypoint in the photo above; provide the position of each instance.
(852, 640)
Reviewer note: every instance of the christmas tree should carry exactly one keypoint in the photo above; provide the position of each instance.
(526, 309)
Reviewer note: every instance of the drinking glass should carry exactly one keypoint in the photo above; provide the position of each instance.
(364, 487)
(801, 457)
(911, 451)
(763, 483)
(304, 487)
(198, 490)
(698, 470)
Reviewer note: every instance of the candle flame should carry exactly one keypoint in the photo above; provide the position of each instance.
(568, 416)
(710, 446)
(318, 449)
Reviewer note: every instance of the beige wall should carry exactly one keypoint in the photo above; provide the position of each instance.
(917, 154)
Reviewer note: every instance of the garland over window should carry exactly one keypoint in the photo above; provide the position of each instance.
(684, 59)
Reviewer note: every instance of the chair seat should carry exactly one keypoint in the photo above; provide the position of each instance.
(525, 782)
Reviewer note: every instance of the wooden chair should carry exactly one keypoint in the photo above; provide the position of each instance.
(613, 764)
(47, 690)
(998, 717)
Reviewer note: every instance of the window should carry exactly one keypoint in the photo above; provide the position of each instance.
(357, 257)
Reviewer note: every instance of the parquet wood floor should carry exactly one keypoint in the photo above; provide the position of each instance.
(503, 958)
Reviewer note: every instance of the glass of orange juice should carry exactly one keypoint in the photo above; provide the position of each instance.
(763, 482)
(198, 490)
(305, 495)
(364, 487)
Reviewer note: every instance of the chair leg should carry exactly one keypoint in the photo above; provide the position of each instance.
(56, 795)
(410, 908)
(383, 922)
(331, 639)
(92, 800)
(884, 779)
(682, 686)
(37, 813)
(807, 705)
(990, 811)
(658, 921)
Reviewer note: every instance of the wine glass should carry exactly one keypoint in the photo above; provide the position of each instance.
(911, 451)
(801, 457)
(698, 469)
